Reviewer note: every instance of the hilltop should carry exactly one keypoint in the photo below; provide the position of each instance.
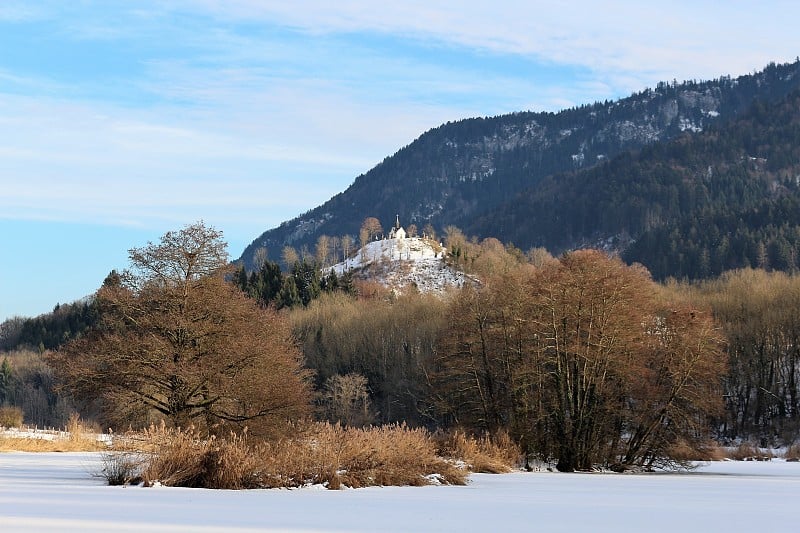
(401, 263)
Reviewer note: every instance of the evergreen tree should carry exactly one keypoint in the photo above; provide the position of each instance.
(288, 295)
(6, 382)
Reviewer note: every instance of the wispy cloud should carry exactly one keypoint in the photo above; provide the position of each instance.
(232, 103)
(11, 11)
(685, 39)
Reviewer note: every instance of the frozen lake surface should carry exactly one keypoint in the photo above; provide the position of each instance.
(57, 492)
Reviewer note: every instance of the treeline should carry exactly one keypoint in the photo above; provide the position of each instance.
(305, 282)
(759, 313)
(28, 382)
(50, 330)
(581, 359)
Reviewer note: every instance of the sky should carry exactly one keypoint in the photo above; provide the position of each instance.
(120, 121)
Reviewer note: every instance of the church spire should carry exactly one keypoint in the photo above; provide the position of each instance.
(397, 223)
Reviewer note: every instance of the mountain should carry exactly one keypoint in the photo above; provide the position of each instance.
(703, 203)
(465, 173)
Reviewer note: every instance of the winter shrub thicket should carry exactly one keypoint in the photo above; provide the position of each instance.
(121, 467)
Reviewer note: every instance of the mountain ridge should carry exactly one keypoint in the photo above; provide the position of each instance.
(693, 207)
(457, 172)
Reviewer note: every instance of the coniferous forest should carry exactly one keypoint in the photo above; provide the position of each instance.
(692, 208)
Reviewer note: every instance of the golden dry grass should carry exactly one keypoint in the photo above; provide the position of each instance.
(748, 452)
(17, 444)
(76, 437)
(316, 453)
(683, 452)
(183, 458)
(792, 453)
(492, 454)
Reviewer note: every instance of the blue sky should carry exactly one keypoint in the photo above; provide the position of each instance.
(120, 121)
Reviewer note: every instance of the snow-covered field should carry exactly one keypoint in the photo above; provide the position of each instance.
(57, 492)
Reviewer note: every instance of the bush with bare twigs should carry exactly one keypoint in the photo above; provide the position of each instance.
(121, 467)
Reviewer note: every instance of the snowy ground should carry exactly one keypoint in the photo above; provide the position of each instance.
(399, 263)
(57, 492)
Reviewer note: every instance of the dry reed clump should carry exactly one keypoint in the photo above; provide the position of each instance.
(683, 452)
(748, 452)
(319, 453)
(80, 430)
(185, 458)
(491, 454)
(11, 417)
(338, 456)
(792, 453)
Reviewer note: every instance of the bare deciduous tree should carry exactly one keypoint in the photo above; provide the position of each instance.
(347, 400)
(178, 341)
(372, 226)
(289, 256)
(581, 361)
(347, 243)
(260, 257)
(323, 250)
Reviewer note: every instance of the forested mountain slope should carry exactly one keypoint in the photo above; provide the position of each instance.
(460, 171)
(693, 207)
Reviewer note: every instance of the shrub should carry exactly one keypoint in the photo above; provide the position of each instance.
(122, 468)
(747, 452)
(11, 417)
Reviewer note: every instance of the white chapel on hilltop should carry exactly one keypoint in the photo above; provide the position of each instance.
(397, 231)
